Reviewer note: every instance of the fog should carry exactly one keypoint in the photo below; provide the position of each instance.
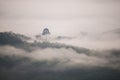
(83, 44)
(66, 57)
(62, 17)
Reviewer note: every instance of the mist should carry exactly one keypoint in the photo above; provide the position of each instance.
(66, 57)
(54, 62)
(83, 41)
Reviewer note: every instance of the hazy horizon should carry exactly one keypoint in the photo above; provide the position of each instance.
(85, 20)
(84, 43)
(62, 17)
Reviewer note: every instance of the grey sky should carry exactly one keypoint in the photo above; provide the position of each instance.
(62, 17)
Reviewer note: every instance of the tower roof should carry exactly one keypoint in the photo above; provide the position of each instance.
(45, 31)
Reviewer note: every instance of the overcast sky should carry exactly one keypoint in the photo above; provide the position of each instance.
(62, 17)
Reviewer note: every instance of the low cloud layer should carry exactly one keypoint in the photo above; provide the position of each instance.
(109, 39)
(21, 60)
(66, 57)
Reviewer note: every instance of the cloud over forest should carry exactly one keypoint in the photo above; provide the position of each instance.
(54, 58)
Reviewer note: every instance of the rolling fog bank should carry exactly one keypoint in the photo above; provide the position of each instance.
(55, 61)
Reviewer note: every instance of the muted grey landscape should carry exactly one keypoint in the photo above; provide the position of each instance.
(59, 40)
(54, 61)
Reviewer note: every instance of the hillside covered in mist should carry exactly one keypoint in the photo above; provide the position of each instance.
(21, 60)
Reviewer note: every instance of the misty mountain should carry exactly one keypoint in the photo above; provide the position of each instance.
(114, 31)
(10, 38)
(20, 41)
(21, 60)
(13, 67)
(63, 37)
(112, 34)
